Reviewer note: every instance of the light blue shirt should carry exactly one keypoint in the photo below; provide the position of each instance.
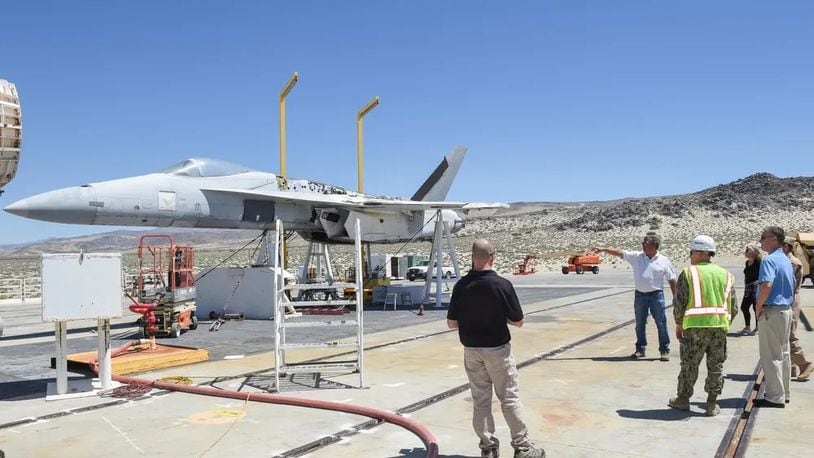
(777, 270)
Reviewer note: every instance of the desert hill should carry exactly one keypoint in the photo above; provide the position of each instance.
(732, 213)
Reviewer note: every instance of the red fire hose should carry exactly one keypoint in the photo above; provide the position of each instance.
(423, 433)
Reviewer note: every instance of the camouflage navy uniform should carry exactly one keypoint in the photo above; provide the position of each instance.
(696, 343)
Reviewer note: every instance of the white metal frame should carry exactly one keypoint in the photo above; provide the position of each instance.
(442, 232)
(318, 254)
(281, 366)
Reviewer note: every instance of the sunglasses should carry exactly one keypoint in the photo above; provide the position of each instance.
(764, 237)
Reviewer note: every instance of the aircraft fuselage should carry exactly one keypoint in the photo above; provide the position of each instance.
(167, 200)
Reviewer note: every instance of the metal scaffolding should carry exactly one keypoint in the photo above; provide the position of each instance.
(281, 365)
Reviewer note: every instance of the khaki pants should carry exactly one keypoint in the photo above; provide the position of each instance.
(798, 357)
(489, 368)
(775, 327)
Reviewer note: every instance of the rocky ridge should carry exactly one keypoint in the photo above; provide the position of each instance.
(733, 214)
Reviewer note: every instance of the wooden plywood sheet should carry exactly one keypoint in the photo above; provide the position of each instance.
(139, 358)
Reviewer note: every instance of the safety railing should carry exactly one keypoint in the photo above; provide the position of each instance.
(29, 288)
(21, 288)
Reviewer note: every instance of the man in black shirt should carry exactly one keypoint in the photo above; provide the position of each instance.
(481, 307)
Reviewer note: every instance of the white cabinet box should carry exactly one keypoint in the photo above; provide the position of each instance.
(81, 286)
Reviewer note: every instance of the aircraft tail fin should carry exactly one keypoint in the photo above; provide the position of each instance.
(437, 185)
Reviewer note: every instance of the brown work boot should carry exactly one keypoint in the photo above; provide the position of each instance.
(805, 374)
(680, 403)
(712, 406)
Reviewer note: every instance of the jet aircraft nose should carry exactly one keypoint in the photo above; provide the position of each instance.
(75, 205)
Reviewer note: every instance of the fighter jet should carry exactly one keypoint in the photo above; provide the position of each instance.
(210, 193)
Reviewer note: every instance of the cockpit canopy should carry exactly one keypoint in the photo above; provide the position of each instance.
(205, 167)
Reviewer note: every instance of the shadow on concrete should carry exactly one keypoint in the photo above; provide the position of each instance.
(738, 335)
(91, 329)
(292, 382)
(421, 452)
(20, 390)
(740, 377)
(605, 359)
(667, 414)
(727, 403)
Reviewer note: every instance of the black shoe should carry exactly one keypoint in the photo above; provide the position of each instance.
(637, 355)
(765, 403)
(490, 451)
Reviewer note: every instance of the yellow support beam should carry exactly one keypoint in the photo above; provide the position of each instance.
(283, 94)
(359, 150)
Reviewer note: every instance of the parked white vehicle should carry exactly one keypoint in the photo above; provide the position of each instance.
(420, 271)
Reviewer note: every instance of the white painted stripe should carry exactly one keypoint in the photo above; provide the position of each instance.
(730, 279)
(706, 311)
(696, 286)
(123, 434)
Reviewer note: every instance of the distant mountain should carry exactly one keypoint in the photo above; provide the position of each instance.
(741, 198)
(734, 212)
(125, 240)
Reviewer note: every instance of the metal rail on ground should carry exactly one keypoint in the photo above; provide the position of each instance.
(736, 437)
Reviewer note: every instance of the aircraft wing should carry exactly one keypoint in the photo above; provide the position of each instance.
(360, 203)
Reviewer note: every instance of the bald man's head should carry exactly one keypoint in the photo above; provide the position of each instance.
(482, 254)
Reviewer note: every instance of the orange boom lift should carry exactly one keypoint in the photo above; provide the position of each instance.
(582, 262)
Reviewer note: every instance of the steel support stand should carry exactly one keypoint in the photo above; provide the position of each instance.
(61, 331)
(105, 374)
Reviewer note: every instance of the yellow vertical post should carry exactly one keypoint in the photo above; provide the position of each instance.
(283, 94)
(359, 150)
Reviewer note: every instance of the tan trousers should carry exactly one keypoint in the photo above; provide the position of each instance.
(488, 369)
(775, 327)
(798, 357)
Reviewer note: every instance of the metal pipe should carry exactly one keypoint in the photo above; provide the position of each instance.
(283, 94)
(359, 150)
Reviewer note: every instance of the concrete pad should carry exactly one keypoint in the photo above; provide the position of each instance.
(787, 431)
(584, 401)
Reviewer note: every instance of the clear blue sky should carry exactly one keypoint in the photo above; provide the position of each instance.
(556, 100)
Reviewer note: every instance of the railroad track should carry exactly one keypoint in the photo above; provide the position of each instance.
(736, 437)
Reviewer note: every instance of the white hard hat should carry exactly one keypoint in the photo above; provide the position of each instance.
(702, 243)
